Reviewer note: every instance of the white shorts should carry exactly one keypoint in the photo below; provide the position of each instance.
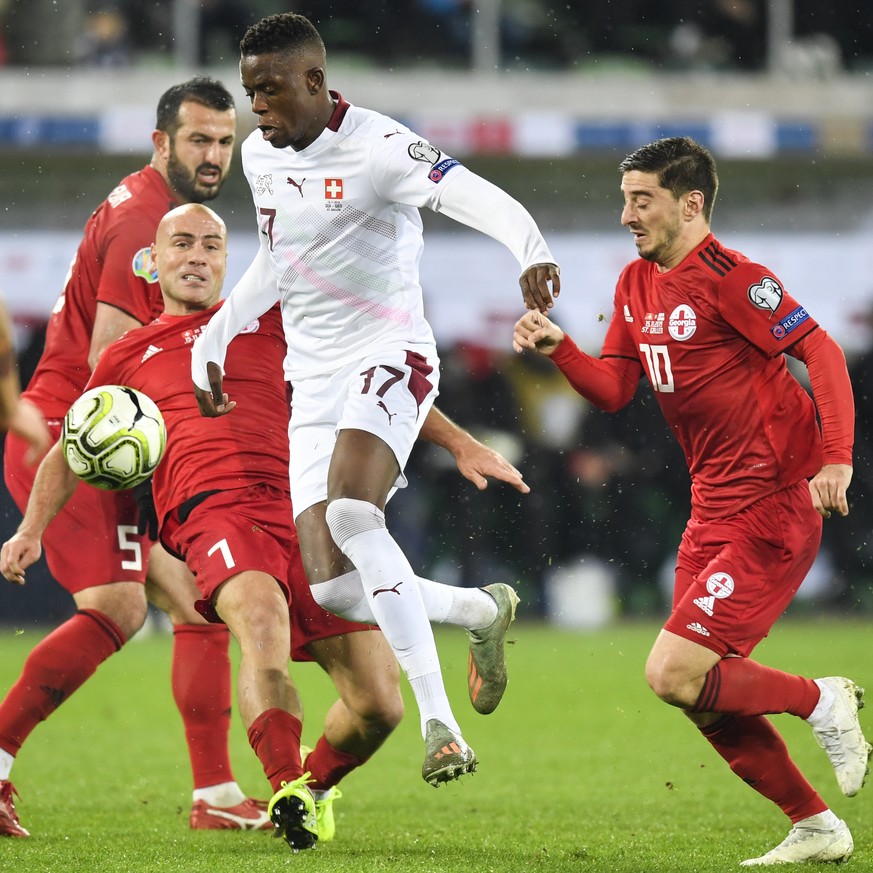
(388, 394)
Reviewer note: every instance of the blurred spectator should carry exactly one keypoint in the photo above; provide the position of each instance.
(4, 56)
(531, 33)
(104, 40)
(623, 475)
(628, 483)
(551, 417)
(449, 21)
(718, 34)
(696, 34)
(222, 24)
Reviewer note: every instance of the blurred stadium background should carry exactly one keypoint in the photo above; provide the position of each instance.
(543, 99)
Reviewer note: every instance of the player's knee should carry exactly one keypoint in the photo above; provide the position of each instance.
(346, 518)
(389, 717)
(123, 603)
(667, 683)
(380, 712)
(129, 615)
(252, 603)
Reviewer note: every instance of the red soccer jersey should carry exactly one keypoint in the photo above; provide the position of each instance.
(710, 334)
(112, 265)
(247, 447)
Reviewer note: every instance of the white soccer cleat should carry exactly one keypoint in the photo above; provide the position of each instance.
(807, 844)
(840, 734)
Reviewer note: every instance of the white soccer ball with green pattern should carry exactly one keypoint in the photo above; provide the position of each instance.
(113, 437)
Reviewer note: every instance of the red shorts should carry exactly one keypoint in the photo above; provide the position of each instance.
(735, 576)
(92, 540)
(229, 532)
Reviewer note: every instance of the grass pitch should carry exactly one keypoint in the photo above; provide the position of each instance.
(581, 769)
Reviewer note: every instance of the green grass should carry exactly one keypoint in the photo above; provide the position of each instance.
(581, 769)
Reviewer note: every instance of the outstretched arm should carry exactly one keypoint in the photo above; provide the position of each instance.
(54, 485)
(609, 383)
(476, 461)
(479, 204)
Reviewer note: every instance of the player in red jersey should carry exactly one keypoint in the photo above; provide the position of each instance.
(112, 287)
(221, 494)
(710, 330)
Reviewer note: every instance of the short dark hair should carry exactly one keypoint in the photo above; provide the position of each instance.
(681, 165)
(204, 90)
(285, 32)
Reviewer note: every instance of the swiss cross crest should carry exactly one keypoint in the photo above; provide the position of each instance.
(333, 189)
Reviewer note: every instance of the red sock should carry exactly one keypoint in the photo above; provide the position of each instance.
(275, 737)
(742, 687)
(758, 755)
(327, 764)
(202, 691)
(54, 669)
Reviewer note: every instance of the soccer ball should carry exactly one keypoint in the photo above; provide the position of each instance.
(113, 437)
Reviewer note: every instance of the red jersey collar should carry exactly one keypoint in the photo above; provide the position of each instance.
(166, 318)
(339, 112)
(707, 240)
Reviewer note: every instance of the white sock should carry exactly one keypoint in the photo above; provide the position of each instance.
(470, 608)
(823, 821)
(223, 795)
(344, 596)
(823, 707)
(6, 761)
(430, 694)
(396, 601)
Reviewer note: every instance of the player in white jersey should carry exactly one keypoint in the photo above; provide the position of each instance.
(336, 191)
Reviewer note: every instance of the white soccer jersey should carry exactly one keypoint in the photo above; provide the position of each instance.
(341, 239)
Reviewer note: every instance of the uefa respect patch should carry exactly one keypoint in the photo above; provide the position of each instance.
(437, 173)
(790, 323)
(144, 266)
